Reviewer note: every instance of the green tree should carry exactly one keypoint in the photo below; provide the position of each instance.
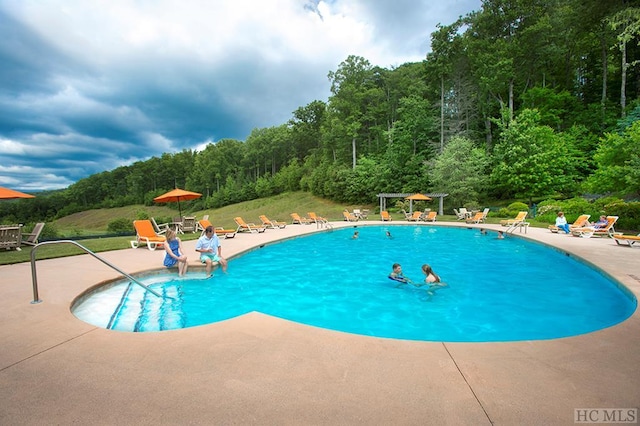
(461, 172)
(531, 160)
(617, 164)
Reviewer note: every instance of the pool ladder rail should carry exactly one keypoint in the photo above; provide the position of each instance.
(34, 277)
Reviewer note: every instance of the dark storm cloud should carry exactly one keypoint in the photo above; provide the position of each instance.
(89, 86)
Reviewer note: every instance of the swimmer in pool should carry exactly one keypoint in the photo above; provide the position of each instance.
(431, 279)
(355, 236)
(397, 275)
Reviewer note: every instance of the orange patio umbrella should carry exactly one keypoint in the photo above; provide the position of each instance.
(10, 194)
(177, 195)
(416, 197)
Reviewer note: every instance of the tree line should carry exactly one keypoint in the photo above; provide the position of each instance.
(520, 99)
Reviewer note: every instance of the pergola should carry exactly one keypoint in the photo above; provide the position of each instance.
(440, 195)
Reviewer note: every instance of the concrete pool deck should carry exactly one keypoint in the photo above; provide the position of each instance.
(256, 369)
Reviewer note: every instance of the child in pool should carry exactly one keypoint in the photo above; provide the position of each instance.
(397, 275)
(431, 278)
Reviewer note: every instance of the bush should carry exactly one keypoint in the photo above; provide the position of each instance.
(120, 225)
(513, 209)
(628, 215)
(142, 215)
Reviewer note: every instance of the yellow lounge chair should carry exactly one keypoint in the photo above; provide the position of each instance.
(517, 220)
(349, 217)
(477, 218)
(251, 227)
(314, 218)
(578, 223)
(273, 224)
(226, 233)
(416, 216)
(630, 240)
(296, 219)
(219, 230)
(385, 216)
(431, 216)
(592, 231)
(145, 234)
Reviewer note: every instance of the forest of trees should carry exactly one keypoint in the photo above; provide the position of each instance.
(520, 100)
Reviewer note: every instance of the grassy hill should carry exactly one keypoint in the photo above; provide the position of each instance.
(279, 207)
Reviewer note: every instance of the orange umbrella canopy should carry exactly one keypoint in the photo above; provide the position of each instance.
(8, 194)
(177, 195)
(418, 197)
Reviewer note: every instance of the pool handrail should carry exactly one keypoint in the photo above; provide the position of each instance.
(34, 278)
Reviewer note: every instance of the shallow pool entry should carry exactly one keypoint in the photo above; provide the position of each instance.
(497, 290)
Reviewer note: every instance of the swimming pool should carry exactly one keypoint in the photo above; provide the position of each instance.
(498, 290)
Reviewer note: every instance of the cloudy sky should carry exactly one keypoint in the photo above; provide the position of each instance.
(90, 85)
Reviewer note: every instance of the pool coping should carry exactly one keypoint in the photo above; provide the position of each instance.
(258, 369)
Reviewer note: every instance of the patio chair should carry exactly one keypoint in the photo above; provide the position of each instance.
(297, 219)
(159, 228)
(431, 216)
(459, 216)
(416, 216)
(10, 237)
(385, 216)
(592, 231)
(360, 214)
(189, 224)
(477, 218)
(349, 217)
(580, 222)
(521, 216)
(314, 218)
(630, 240)
(146, 234)
(203, 224)
(519, 223)
(273, 224)
(32, 237)
(251, 227)
(226, 233)
(465, 213)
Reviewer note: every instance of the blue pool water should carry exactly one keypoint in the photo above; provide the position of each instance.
(498, 290)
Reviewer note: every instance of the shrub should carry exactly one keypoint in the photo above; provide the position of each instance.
(513, 209)
(120, 225)
(142, 215)
(628, 215)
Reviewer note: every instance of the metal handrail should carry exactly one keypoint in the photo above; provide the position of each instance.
(34, 278)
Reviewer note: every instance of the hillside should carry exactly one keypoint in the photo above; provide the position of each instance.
(278, 207)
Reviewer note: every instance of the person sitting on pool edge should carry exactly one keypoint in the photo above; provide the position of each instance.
(397, 275)
(175, 253)
(208, 246)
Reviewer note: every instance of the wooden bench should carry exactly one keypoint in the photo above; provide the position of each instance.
(10, 237)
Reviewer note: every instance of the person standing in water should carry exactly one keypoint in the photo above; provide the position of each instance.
(431, 279)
